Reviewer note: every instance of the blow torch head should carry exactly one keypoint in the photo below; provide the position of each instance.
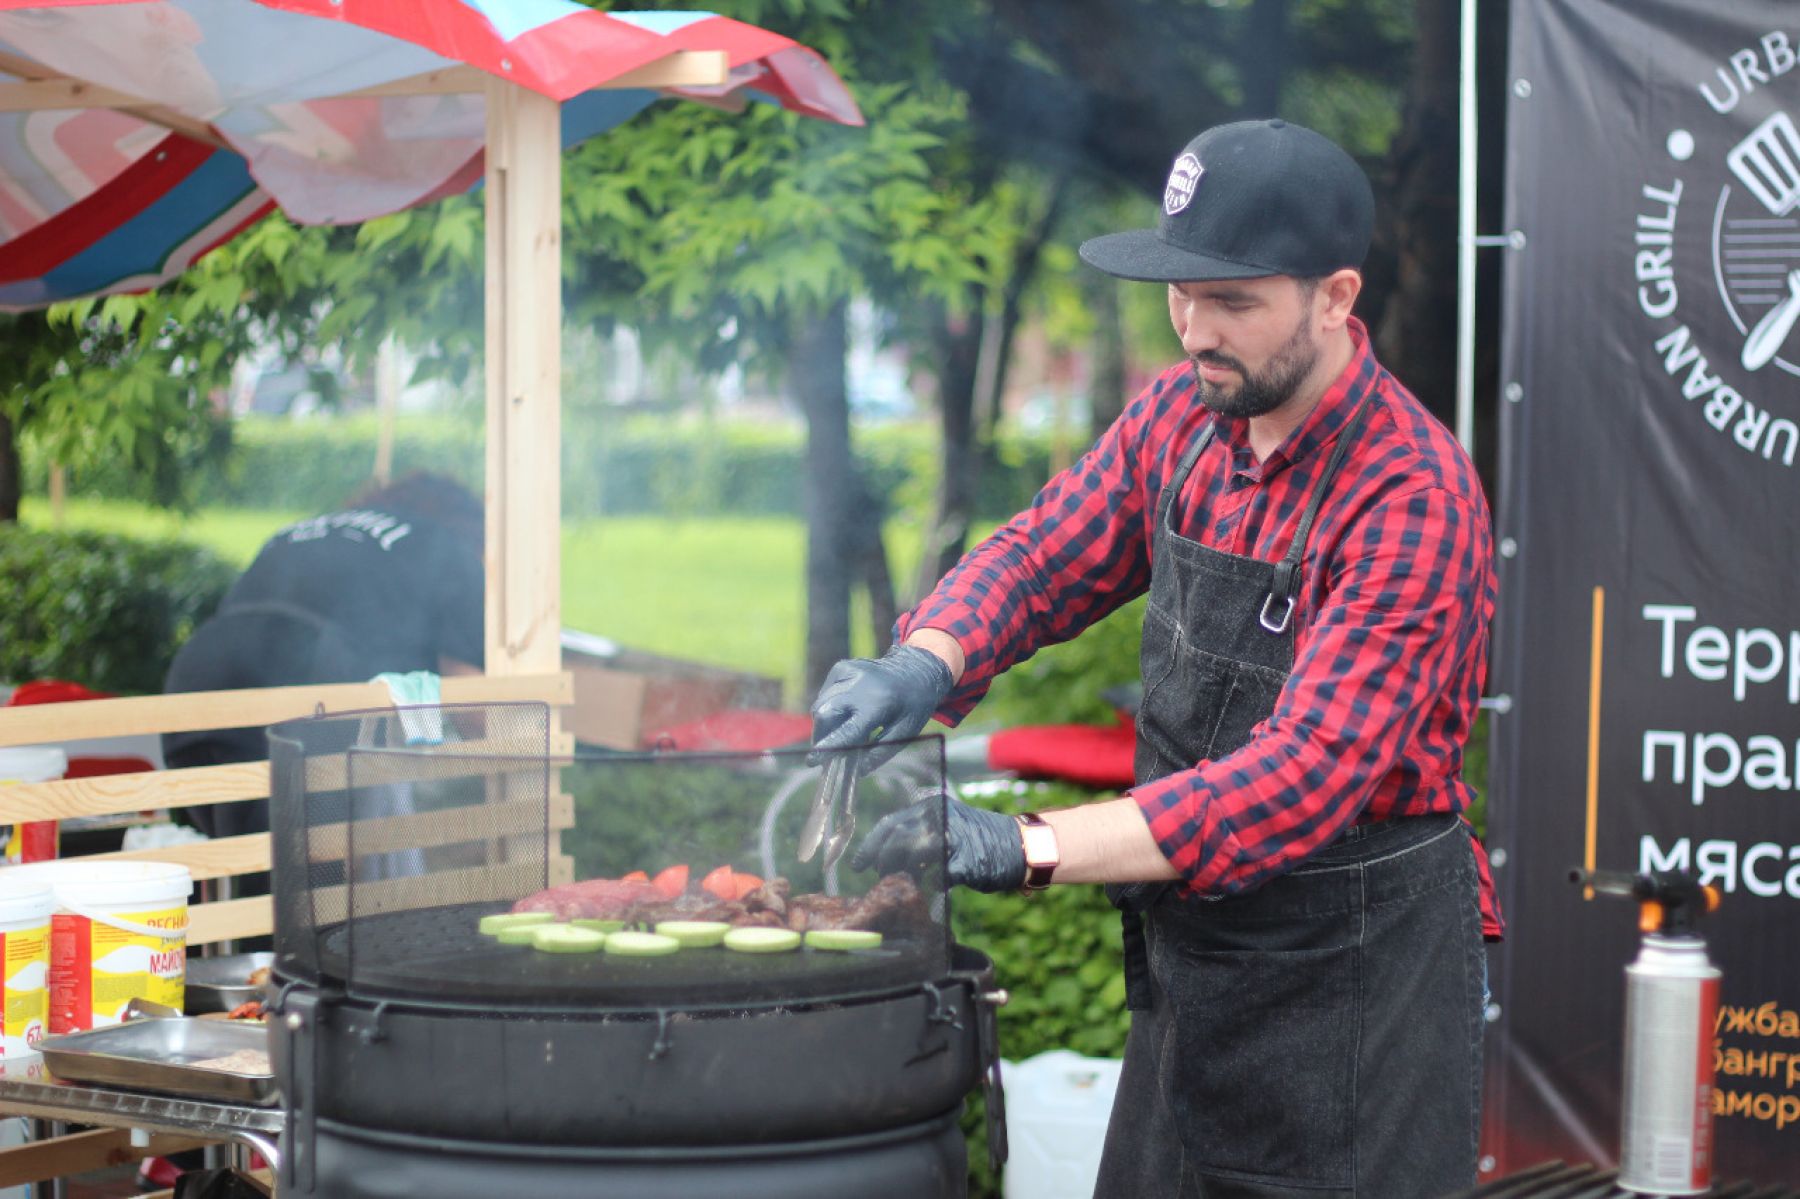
(1670, 902)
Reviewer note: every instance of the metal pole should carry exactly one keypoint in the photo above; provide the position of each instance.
(1465, 238)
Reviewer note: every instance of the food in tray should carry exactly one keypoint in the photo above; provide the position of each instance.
(762, 940)
(259, 977)
(842, 939)
(641, 945)
(240, 1061)
(694, 934)
(249, 1010)
(566, 938)
(894, 905)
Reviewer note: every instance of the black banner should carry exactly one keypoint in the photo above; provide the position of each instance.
(1649, 635)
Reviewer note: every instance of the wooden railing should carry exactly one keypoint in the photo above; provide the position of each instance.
(231, 857)
(210, 922)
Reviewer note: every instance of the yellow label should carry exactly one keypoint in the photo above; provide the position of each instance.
(130, 965)
(26, 955)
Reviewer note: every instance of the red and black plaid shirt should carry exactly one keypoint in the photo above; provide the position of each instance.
(1391, 629)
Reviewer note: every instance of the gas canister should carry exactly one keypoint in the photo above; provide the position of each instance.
(1671, 1005)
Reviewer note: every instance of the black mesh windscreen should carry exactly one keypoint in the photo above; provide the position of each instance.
(420, 841)
(383, 797)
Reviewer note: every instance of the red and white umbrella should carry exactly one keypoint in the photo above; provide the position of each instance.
(136, 135)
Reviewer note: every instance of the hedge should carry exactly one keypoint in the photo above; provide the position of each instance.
(619, 465)
(105, 611)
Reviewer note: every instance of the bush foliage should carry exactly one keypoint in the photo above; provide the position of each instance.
(105, 611)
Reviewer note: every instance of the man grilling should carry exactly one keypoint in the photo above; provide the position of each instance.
(1303, 906)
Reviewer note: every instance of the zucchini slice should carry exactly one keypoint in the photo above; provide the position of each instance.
(491, 925)
(566, 938)
(599, 926)
(694, 934)
(640, 945)
(842, 939)
(520, 934)
(762, 940)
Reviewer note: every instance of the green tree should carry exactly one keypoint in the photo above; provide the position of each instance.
(742, 237)
(139, 378)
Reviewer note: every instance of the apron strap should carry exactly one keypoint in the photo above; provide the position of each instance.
(1284, 587)
(1172, 489)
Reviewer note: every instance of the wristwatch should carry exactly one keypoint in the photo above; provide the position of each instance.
(1041, 854)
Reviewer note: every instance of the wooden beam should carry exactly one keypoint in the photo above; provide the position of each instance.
(197, 786)
(80, 1152)
(451, 826)
(224, 857)
(681, 68)
(45, 90)
(42, 723)
(60, 93)
(506, 881)
(230, 920)
(144, 791)
(524, 370)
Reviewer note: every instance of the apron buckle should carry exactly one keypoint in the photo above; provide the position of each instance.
(1276, 624)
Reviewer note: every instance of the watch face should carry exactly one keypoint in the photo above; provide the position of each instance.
(1041, 853)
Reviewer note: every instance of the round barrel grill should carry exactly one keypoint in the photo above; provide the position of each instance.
(417, 1055)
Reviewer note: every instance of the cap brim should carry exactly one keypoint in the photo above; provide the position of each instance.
(1141, 255)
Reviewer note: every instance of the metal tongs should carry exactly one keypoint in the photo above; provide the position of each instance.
(837, 787)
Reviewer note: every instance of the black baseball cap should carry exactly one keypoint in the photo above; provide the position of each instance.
(1249, 199)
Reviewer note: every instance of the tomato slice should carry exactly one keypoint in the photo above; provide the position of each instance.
(636, 876)
(672, 882)
(719, 884)
(743, 884)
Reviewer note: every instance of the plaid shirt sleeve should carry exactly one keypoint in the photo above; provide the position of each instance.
(1401, 619)
(1078, 553)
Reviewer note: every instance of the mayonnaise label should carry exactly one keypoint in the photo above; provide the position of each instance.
(96, 970)
(23, 997)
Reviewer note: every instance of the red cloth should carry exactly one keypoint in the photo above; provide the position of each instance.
(1088, 754)
(52, 691)
(743, 729)
(61, 691)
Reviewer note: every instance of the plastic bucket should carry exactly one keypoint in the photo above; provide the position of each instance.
(119, 933)
(25, 909)
(35, 840)
(1057, 1106)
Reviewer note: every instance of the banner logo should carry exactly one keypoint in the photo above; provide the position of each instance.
(1756, 258)
(1733, 354)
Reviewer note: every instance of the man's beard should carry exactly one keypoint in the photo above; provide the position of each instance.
(1263, 392)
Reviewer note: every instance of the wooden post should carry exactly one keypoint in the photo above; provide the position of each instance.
(524, 425)
(524, 363)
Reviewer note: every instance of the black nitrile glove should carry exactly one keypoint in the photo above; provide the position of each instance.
(986, 852)
(887, 699)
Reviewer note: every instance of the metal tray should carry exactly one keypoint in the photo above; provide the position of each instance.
(159, 1055)
(218, 984)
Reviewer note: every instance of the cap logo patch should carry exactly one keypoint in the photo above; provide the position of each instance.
(1184, 176)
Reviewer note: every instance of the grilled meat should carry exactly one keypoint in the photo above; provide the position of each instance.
(596, 899)
(894, 905)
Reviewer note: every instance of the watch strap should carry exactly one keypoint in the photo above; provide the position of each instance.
(1042, 855)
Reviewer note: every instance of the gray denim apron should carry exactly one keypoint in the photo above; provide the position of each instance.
(1320, 1035)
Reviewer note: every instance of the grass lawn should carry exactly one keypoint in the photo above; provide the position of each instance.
(727, 591)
